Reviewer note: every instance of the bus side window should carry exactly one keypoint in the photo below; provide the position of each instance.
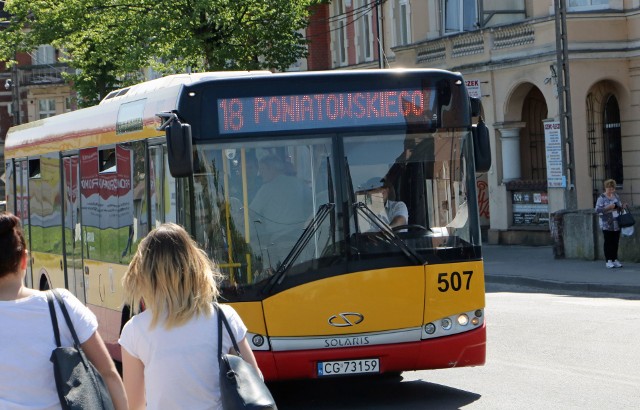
(107, 160)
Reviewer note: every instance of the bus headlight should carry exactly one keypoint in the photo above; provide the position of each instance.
(454, 324)
(430, 328)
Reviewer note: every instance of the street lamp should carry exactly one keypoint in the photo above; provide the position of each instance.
(564, 102)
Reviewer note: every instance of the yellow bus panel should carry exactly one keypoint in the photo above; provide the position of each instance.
(49, 265)
(453, 288)
(252, 316)
(103, 283)
(385, 299)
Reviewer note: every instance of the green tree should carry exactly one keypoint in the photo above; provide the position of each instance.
(108, 42)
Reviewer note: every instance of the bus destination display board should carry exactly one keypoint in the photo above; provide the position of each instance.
(326, 110)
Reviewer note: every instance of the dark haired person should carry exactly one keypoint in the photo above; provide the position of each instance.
(26, 373)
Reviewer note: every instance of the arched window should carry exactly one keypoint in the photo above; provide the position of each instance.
(612, 140)
(596, 156)
(532, 144)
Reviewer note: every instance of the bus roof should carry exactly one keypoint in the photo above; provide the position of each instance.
(175, 79)
(118, 114)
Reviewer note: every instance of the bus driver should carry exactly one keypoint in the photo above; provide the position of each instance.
(395, 212)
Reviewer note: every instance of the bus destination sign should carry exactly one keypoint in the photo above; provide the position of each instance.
(326, 110)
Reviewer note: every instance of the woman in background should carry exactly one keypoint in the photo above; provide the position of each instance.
(608, 207)
(169, 350)
(26, 333)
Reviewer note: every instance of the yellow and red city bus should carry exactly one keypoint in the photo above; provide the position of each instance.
(288, 181)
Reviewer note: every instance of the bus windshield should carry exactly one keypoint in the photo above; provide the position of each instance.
(253, 201)
(292, 205)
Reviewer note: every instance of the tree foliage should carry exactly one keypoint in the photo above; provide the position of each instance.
(108, 42)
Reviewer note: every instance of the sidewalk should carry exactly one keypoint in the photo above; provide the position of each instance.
(535, 266)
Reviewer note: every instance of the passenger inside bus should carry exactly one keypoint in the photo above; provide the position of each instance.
(279, 210)
(247, 171)
(375, 193)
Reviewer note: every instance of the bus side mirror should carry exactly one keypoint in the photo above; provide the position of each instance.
(481, 146)
(179, 149)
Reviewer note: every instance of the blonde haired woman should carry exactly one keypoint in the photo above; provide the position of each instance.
(169, 350)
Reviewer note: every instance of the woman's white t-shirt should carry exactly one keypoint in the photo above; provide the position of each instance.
(26, 343)
(181, 364)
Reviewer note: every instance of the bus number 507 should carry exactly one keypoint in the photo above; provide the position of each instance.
(454, 280)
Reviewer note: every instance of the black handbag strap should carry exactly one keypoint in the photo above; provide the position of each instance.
(54, 318)
(67, 318)
(223, 319)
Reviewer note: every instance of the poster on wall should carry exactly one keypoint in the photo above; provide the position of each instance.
(530, 208)
(553, 146)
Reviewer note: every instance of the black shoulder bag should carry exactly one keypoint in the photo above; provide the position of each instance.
(625, 219)
(79, 383)
(241, 386)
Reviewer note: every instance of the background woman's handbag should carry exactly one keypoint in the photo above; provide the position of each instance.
(79, 383)
(625, 219)
(241, 386)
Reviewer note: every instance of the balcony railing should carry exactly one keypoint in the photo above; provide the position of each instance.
(43, 74)
(480, 42)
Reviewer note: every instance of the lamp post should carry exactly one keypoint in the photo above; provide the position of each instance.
(564, 103)
(379, 32)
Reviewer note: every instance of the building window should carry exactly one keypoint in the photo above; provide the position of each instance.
(460, 15)
(612, 140)
(339, 33)
(68, 104)
(532, 139)
(45, 54)
(342, 42)
(363, 15)
(596, 157)
(577, 5)
(402, 22)
(46, 108)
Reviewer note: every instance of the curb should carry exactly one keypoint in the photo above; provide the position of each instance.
(565, 286)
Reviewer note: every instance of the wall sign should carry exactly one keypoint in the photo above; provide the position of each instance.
(553, 145)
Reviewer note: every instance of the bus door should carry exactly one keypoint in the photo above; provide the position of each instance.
(22, 207)
(72, 227)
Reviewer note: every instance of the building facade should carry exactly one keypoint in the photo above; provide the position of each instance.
(559, 82)
(32, 89)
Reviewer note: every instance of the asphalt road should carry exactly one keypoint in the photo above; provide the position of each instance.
(544, 351)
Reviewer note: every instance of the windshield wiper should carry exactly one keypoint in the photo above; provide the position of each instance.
(388, 233)
(312, 227)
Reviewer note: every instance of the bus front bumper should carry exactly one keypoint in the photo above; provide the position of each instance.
(460, 350)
